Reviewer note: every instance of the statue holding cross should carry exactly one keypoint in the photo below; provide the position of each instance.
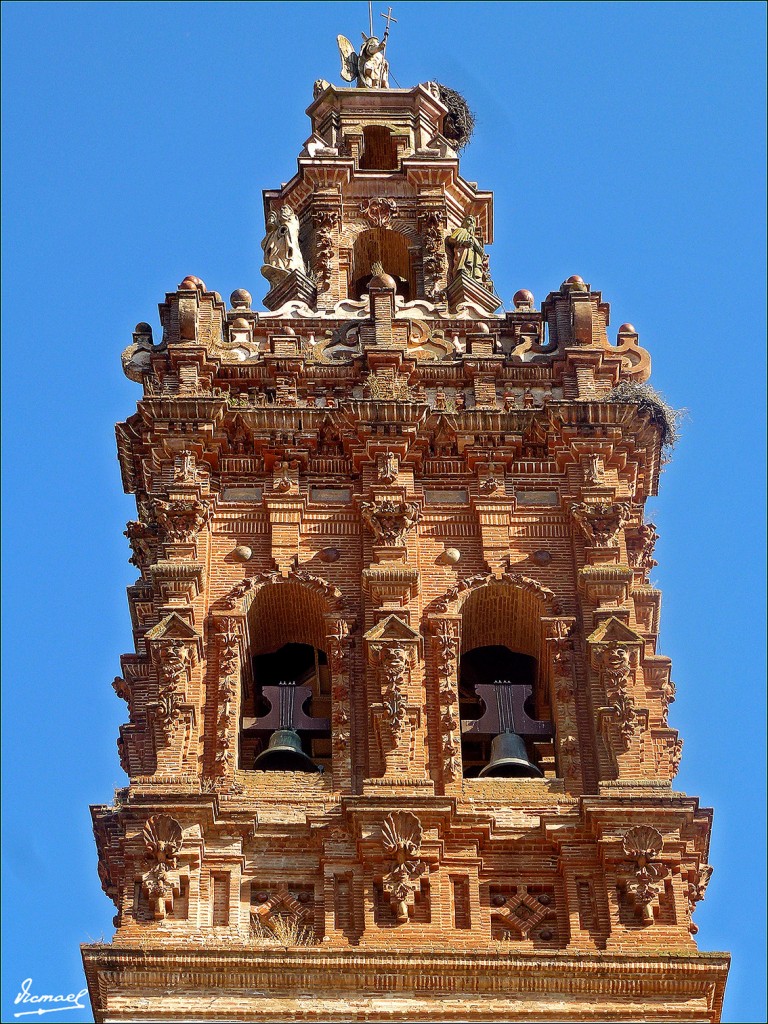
(369, 68)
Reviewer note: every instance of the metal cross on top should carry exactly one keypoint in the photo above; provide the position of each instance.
(387, 17)
(505, 711)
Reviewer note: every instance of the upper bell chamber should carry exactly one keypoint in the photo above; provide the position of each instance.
(378, 182)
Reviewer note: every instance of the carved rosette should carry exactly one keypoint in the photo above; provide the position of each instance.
(642, 844)
(173, 659)
(445, 639)
(401, 836)
(229, 639)
(390, 521)
(162, 837)
(326, 223)
(379, 211)
(560, 643)
(181, 519)
(601, 522)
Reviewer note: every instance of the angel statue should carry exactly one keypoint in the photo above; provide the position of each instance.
(369, 67)
(281, 245)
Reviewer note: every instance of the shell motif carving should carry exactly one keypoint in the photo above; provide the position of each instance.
(163, 836)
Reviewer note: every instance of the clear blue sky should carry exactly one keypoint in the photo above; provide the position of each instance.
(624, 143)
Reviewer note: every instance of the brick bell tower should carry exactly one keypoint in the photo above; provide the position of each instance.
(397, 731)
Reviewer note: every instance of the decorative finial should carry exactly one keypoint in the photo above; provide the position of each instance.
(369, 68)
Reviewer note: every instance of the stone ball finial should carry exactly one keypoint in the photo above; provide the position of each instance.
(627, 329)
(191, 284)
(522, 298)
(241, 324)
(381, 280)
(574, 284)
(240, 299)
(143, 328)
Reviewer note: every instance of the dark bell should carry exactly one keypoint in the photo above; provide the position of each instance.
(284, 754)
(509, 759)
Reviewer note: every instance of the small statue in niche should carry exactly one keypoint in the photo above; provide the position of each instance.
(281, 245)
(465, 250)
(594, 473)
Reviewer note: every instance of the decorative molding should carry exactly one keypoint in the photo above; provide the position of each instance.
(163, 837)
(601, 522)
(642, 844)
(401, 835)
(390, 521)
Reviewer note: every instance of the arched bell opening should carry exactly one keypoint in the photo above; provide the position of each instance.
(379, 149)
(390, 248)
(506, 729)
(286, 704)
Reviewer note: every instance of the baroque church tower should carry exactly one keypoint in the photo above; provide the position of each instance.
(397, 738)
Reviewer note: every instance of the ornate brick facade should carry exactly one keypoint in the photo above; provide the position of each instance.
(403, 530)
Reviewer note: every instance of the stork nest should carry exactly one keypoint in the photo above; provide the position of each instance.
(650, 401)
(459, 123)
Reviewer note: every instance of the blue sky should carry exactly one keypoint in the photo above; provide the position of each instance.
(624, 142)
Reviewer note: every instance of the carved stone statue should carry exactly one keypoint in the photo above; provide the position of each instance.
(281, 245)
(465, 251)
(369, 67)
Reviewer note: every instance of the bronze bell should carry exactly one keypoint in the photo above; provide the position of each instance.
(284, 754)
(509, 759)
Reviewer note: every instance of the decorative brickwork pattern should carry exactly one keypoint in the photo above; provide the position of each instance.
(407, 532)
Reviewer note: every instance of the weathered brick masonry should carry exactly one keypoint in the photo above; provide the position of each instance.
(421, 495)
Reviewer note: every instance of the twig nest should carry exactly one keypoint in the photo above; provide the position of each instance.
(541, 557)
(451, 556)
(242, 553)
(329, 555)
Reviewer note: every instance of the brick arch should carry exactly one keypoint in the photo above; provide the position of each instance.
(496, 614)
(453, 601)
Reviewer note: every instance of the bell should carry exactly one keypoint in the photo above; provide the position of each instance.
(284, 754)
(509, 759)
